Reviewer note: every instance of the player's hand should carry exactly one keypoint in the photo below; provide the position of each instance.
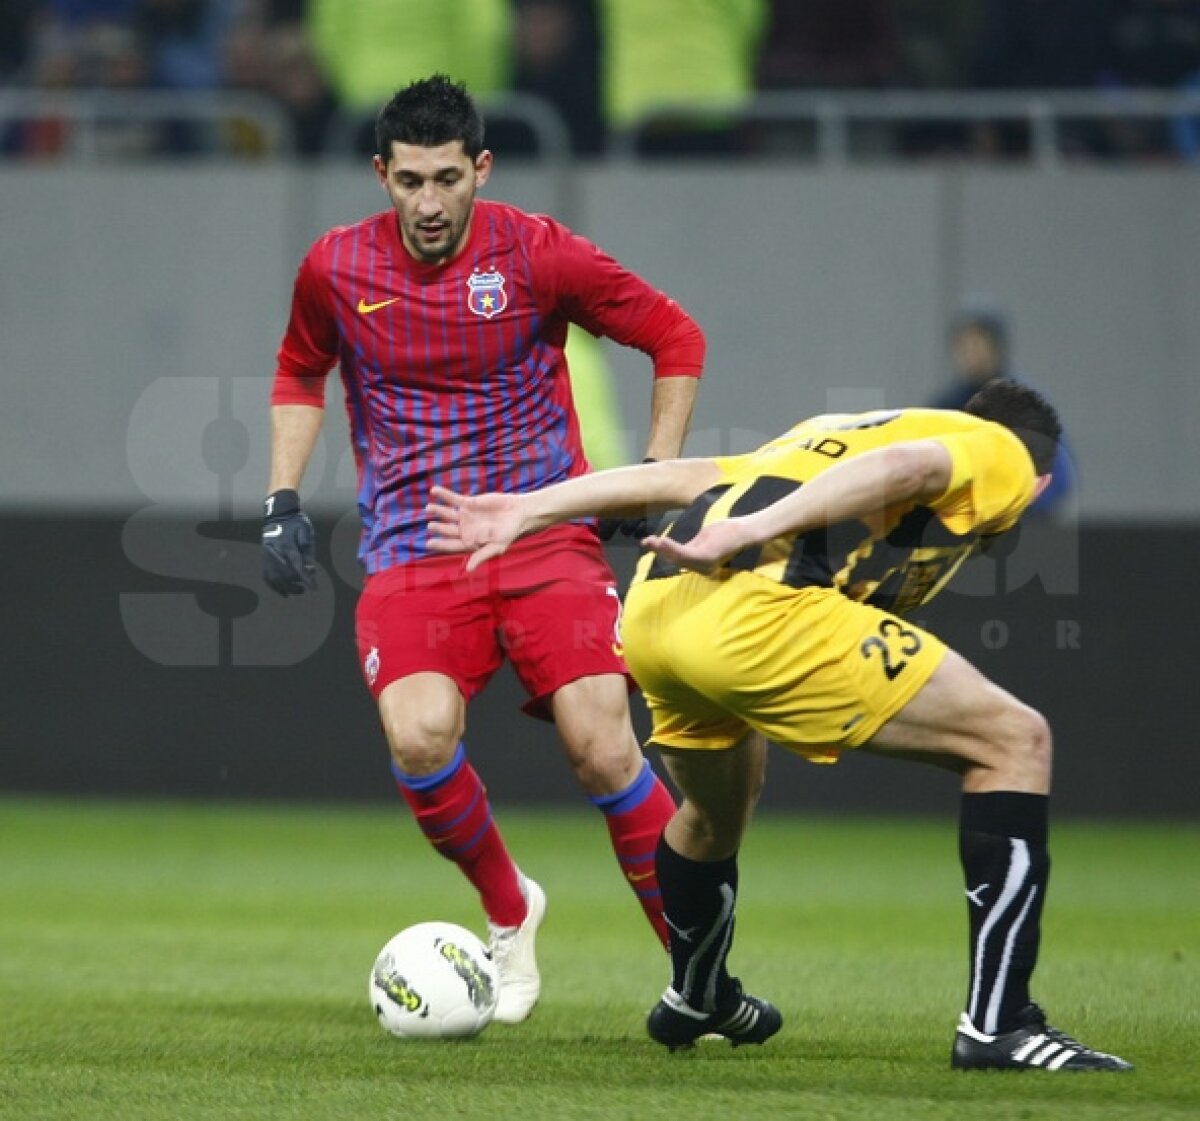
(705, 552)
(483, 525)
(289, 545)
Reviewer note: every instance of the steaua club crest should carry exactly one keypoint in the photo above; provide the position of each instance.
(487, 296)
(371, 665)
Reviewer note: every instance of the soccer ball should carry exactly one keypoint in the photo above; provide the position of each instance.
(435, 980)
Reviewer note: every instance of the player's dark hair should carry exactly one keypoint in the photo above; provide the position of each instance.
(429, 113)
(1026, 412)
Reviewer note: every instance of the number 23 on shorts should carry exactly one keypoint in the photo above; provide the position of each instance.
(894, 645)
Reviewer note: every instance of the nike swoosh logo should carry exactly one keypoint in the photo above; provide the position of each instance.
(637, 877)
(274, 531)
(367, 308)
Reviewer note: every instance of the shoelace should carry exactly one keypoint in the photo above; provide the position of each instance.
(503, 941)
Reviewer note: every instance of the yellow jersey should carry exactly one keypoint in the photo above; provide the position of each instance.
(900, 557)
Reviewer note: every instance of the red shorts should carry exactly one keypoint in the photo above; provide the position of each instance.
(550, 605)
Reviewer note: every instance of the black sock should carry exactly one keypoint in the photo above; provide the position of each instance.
(1002, 845)
(698, 900)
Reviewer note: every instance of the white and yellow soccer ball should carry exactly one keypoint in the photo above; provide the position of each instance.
(435, 980)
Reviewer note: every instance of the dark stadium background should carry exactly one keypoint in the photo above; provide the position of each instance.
(86, 712)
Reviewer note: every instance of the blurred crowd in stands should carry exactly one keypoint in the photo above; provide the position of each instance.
(602, 64)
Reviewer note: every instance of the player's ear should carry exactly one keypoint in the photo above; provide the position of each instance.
(483, 167)
(1043, 481)
(380, 170)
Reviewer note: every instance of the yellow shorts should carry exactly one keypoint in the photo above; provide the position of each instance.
(812, 670)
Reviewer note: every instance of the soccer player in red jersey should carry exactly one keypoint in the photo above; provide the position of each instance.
(447, 315)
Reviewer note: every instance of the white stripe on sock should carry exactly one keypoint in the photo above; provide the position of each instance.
(1018, 868)
(993, 1010)
(708, 1001)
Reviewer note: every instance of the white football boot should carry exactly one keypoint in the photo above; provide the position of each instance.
(516, 962)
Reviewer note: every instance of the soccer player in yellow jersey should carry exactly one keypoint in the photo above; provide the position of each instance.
(772, 608)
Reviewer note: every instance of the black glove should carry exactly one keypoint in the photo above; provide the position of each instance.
(636, 527)
(288, 545)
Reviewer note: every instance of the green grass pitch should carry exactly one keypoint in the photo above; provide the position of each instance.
(180, 961)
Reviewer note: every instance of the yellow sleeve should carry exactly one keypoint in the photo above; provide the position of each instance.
(739, 466)
(992, 480)
(733, 466)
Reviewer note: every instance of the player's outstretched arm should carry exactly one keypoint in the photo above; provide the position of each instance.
(485, 525)
(858, 488)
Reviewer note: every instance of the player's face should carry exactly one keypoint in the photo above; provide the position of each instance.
(432, 191)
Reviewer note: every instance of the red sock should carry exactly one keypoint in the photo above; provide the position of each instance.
(451, 807)
(636, 817)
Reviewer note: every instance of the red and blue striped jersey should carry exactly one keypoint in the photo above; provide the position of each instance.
(454, 373)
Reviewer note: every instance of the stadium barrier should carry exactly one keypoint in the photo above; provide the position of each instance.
(96, 124)
(834, 116)
(174, 672)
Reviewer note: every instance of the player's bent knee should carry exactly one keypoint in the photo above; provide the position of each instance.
(607, 764)
(420, 742)
(713, 816)
(421, 759)
(1038, 741)
(711, 832)
(1026, 750)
